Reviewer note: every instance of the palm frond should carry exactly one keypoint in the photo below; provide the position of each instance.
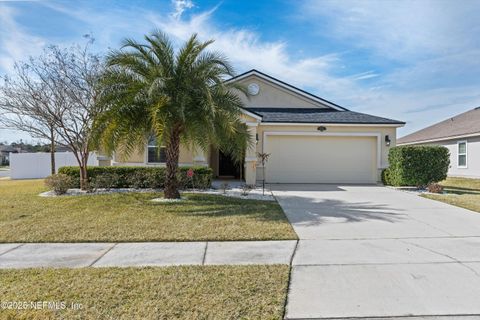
(149, 88)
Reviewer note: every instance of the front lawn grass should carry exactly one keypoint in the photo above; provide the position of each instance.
(26, 217)
(460, 192)
(193, 292)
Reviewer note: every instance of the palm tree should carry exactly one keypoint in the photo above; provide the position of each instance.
(151, 90)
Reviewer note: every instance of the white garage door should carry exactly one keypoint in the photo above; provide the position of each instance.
(325, 159)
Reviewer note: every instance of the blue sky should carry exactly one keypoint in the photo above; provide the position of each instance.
(416, 61)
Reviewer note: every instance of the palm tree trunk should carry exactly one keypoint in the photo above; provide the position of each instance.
(172, 155)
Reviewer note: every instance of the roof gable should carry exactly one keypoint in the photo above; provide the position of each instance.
(275, 93)
(467, 123)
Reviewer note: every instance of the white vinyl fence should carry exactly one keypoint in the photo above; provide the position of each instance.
(37, 165)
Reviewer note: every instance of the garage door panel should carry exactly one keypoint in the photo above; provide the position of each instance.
(314, 159)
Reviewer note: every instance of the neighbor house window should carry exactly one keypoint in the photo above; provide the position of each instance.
(156, 153)
(462, 154)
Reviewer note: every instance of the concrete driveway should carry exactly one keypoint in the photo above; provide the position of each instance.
(370, 251)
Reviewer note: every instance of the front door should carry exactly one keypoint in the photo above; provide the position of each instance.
(227, 167)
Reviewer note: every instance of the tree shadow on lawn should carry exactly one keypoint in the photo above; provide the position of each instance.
(199, 205)
(311, 213)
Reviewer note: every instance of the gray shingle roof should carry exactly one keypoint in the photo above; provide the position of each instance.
(463, 124)
(318, 115)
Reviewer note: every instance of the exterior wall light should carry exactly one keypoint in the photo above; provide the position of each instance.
(321, 128)
(387, 140)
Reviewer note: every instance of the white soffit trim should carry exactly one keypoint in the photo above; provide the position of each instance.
(253, 115)
(477, 134)
(286, 87)
(377, 135)
(395, 125)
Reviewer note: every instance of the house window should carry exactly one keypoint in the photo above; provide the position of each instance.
(462, 154)
(156, 153)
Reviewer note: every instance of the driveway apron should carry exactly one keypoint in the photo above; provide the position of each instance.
(374, 252)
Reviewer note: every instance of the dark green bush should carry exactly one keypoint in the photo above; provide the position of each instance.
(106, 181)
(140, 177)
(417, 165)
(385, 177)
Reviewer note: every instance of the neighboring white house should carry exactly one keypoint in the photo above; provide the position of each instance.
(461, 135)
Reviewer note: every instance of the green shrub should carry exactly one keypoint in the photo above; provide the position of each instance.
(202, 178)
(385, 177)
(417, 165)
(60, 183)
(105, 181)
(140, 177)
(147, 179)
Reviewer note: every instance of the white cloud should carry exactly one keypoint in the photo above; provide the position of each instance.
(400, 29)
(246, 50)
(428, 51)
(15, 43)
(180, 6)
(388, 96)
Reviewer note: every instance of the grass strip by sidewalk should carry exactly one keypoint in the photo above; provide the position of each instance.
(132, 217)
(188, 292)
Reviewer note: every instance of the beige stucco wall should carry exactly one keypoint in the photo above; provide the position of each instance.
(104, 163)
(253, 170)
(188, 156)
(473, 157)
(383, 131)
(274, 96)
(138, 157)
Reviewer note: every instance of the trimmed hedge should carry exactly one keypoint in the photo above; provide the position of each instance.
(416, 165)
(139, 177)
(386, 177)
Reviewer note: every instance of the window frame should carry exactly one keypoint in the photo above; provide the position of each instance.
(462, 154)
(149, 145)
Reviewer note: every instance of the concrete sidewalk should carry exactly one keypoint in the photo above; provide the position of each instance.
(75, 255)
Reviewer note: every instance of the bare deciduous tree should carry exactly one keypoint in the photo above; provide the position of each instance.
(26, 104)
(54, 96)
(76, 72)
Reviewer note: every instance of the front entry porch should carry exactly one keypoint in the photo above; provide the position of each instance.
(224, 167)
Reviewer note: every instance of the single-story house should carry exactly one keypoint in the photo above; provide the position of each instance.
(309, 139)
(461, 135)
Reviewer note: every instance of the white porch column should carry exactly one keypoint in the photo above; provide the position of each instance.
(251, 156)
